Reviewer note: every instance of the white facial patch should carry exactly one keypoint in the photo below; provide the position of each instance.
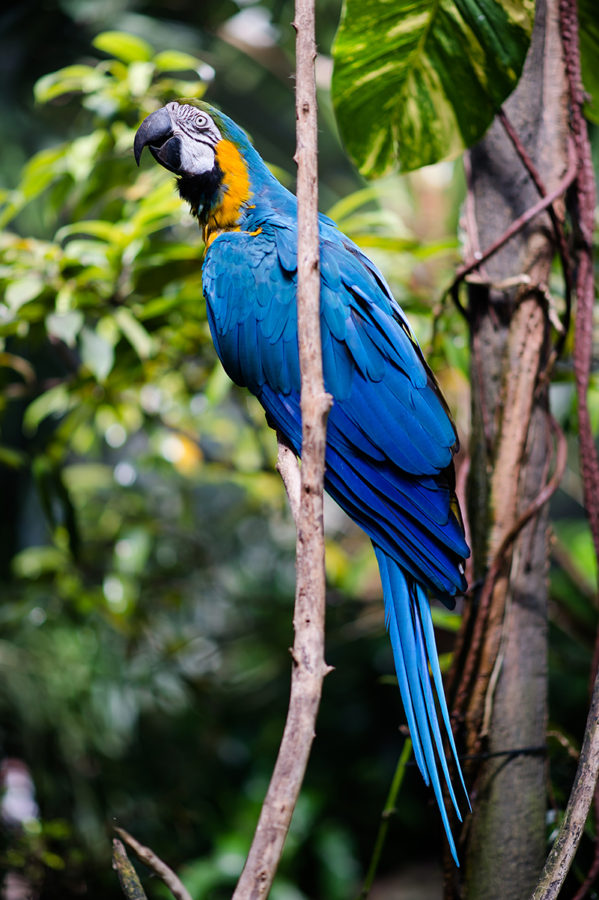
(197, 154)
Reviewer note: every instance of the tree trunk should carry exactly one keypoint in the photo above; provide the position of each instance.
(504, 707)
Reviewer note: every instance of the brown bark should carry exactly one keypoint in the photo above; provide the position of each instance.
(309, 667)
(129, 882)
(502, 700)
(563, 850)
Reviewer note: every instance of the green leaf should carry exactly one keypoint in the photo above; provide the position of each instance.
(34, 562)
(22, 291)
(176, 61)
(54, 402)
(348, 205)
(416, 82)
(41, 170)
(97, 228)
(12, 458)
(67, 81)
(588, 16)
(445, 618)
(135, 333)
(97, 353)
(88, 477)
(126, 47)
(82, 154)
(140, 77)
(65, 326)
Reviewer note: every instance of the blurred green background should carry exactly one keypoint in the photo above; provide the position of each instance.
(146, 550)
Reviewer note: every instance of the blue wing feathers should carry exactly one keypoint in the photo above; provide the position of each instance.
(403, 523)
(286, 241)
(338, 366)
(390, 439)
(334, 313)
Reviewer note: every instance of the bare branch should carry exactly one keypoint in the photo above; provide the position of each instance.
(585, 289)
(153, 862)
(308, 649)
(289, 470)
(128, 878)
(564, 848)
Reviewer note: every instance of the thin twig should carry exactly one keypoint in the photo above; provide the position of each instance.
(593, 873)
(386, 814)
(585, 293)
(128, 877)
(158, 867)
(516, 226)
(558, 228)
(308, 649)
(562, 853)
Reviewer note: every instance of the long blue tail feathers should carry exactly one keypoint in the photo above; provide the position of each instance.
(409, 622)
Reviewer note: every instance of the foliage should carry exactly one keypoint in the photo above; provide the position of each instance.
(589, 48)
(418, 82)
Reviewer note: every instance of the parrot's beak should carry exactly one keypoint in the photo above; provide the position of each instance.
(156, 132)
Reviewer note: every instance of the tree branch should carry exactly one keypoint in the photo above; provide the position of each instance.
(289, 470)
(128, 877)
(562, 853)
(153, 862)
(309, 667)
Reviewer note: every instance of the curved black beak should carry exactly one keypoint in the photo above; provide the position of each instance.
(154, 131)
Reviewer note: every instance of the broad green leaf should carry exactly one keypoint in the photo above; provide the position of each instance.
(66, 81)
(349, 204)
(22, 291)
(97, 353)
(82, 154)
(135, 333)
(588, 13)
(140, 77)
(405, 245)
(65, 326)
(98, 228)
(54, 402)
(42, 170)
(176, 61)
(416, 82)
(126, 47)
(87, 252)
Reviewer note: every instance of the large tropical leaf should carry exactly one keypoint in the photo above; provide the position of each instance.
(416, 81)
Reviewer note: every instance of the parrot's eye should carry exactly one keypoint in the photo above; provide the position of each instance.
(202, 120)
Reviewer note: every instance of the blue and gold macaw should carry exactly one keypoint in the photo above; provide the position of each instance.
(390, 439)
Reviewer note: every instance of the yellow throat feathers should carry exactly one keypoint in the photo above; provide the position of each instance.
(235, 192)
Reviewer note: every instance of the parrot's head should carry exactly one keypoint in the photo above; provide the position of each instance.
(207, 151)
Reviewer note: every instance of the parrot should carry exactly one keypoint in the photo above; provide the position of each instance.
(390, 438)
